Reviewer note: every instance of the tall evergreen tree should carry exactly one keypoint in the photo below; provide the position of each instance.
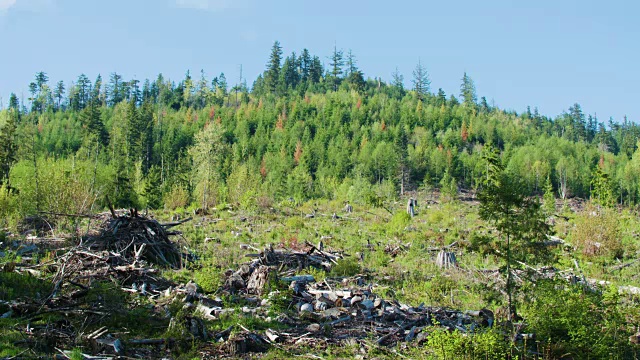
(397, 81)
(315, 70)
(305, 65)
(115, 89)
(58, 93)
(272, 75)
(8, 145)
(351, 63)
(84, 92)
(421, 82)
(337, 61)
(518, 219)
(468, 92)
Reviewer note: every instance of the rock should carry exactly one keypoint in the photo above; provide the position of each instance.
(367, 304)
(306, 307)
(332, 313)
(377, 303)
(235, 282)
(313, 328)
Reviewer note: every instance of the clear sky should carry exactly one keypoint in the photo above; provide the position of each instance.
(543, 53)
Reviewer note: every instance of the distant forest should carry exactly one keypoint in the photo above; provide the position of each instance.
(302, 131)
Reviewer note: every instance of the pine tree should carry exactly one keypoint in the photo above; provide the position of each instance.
(517, 218)
(468, 92)
(153, 188)
(84, 92)
(397, 81)
(549, 198)
(115, 89)
(602, 188)
(337, 61)
(305, 65)
(8, 146)
(272, 75)
(205, 155)
(58, 93)
(289, 75)
(421, 82)
(401, 145)
(351, 63)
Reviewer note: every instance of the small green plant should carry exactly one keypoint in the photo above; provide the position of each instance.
(346, 267)
(76, 354)
(399, 222)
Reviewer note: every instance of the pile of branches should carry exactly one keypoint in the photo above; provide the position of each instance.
(283, 263)
(131, 237)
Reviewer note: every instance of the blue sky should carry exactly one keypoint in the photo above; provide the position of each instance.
(548, 54)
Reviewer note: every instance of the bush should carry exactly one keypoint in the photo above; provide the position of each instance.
(398, 222)
(446, 344)
(597, 232)
(177, 197)
(576, 321)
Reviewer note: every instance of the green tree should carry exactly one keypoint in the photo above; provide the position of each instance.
(272, 75)
(549, 198)
(336, 63)
(397, 82)
(206, 154)
(8, 146)
(115, 89)
(517, 217)
(421, 82)
(153, 188)
(58, 93)
(468, 92)
(602, 188)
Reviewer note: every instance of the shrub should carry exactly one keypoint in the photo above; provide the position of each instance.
(597, 232)
(576, 321)
(177, 197)
(399, 221)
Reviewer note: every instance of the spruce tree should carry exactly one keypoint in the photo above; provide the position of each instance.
(421, 81)
(517, 217)
(468, 92)
(272, 75)
(337, 61)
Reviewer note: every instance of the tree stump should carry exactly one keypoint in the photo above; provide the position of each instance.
(257, 280)
(410, 208)
(348, 208)
(446, 260)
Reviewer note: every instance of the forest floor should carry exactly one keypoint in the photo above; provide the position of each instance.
(294, 280)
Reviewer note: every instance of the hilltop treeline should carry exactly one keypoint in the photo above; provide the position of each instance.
(301, 131)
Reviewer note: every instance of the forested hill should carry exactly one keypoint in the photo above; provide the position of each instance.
(302, 131)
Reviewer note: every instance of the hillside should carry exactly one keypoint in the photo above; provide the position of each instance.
(524, 240)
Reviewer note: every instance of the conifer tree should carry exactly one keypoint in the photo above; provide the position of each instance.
(58, 93)
(337, 61)
(518, 218)
(421, 82)
(468, 92)
(272, 75)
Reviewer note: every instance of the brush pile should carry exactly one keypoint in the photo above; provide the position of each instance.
(130, 237)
